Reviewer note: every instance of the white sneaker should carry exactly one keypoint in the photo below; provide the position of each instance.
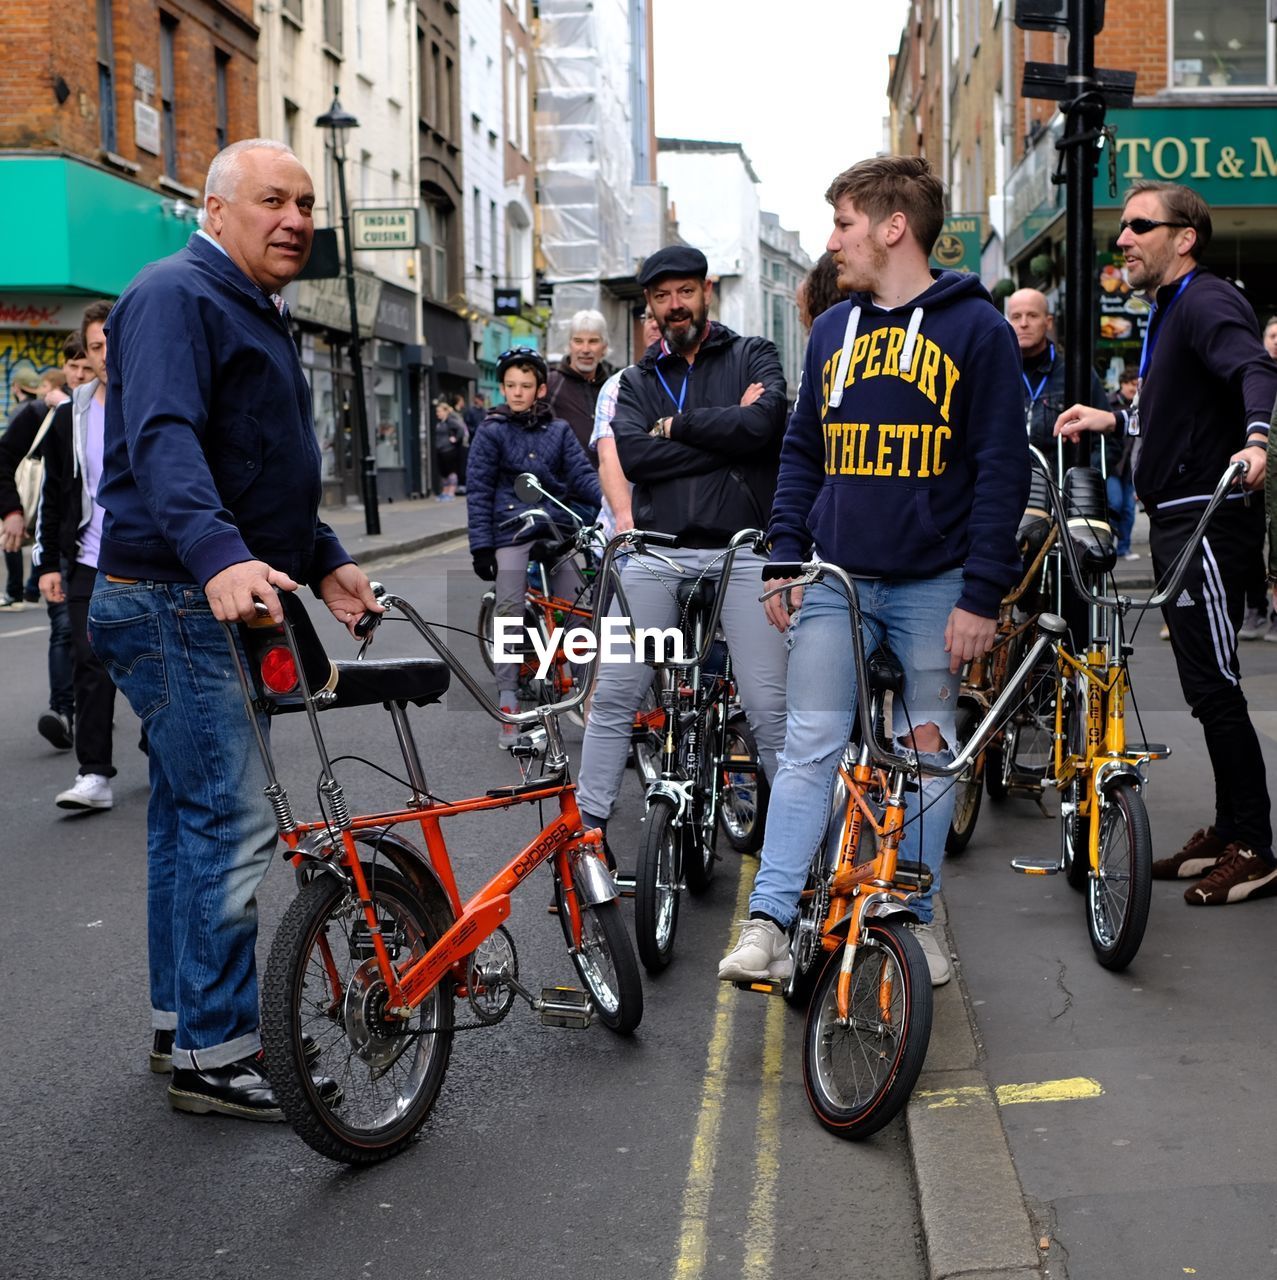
(937, 961)
(91, 791)
(1131, 555)
(762, 952)
(1254, 624)
(1271, 634)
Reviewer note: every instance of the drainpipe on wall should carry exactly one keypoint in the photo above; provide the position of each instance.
(946, 42)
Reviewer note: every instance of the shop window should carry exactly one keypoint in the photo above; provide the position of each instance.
(387, 397)
(1220, 45)
(317, 359)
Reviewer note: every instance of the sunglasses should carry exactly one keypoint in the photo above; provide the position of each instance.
(1142, 226)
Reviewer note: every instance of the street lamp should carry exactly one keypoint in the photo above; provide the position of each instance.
(339, 122)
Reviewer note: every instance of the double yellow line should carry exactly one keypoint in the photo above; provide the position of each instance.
(760, 1238)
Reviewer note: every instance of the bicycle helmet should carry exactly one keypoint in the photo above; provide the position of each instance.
(526, 357)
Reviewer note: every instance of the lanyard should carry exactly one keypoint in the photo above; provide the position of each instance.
(682, 392)
(1046, 377)
(1150, 339)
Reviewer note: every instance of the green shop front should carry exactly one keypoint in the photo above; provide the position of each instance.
(70, 232)
(1225, 152)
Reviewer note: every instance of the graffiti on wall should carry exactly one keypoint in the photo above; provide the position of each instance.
(25, 352)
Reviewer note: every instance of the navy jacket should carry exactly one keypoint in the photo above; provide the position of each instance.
(509, 443)
(716, 474)
(923, 466)
(210, 456)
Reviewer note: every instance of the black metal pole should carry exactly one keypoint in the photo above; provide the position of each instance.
(372, 517)
(1079, 310)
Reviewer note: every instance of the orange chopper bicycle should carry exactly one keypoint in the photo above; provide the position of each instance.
(378, 953)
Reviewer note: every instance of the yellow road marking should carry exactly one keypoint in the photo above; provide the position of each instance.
(1073, 1089)
(700, 1173)
(760, 1235)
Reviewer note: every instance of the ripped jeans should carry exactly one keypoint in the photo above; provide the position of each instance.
(909, 614)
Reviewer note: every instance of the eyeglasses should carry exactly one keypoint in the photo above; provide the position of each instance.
(1142, 226)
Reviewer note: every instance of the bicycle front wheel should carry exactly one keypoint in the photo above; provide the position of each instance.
(656, 887)
(859, 1076)
(969, 788)
(605, 962)
(1119, 893)
(322, 982)
(743, 795)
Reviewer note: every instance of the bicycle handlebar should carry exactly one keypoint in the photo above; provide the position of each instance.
(1232, 473)
(1050, 627)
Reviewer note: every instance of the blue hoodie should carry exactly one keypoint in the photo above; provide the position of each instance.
(918, 462)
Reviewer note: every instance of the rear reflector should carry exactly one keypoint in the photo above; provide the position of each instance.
(279, 671)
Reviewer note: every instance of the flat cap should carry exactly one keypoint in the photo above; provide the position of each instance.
(674, 260)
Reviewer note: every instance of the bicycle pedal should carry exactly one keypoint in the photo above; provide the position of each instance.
(566, 1007)
(764, 987)
(1154, 750)
(1034, 867)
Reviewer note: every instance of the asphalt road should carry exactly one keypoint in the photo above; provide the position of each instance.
(1171, 1171)
(687, 1150)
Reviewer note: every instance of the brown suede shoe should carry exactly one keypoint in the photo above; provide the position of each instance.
(1238, 875)
(1196, 858)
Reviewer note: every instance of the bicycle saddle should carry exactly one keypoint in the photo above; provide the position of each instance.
(352, 684)
(886, 675)
(1035, 524)
(697, 593)
(1086, 509)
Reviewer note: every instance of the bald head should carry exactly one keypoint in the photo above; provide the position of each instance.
(1029, 314)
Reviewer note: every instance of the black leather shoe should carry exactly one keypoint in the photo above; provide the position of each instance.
(239, 1089)
(162, 1052)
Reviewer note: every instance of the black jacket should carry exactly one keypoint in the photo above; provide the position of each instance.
(716, 474)
(61, 501)
(573, 398)
(1044, 383)
(1208, 380)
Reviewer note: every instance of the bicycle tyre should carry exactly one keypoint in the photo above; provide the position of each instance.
(797, 988)
(995, 758)
(487, 613)
(355, 1041)
(605, 963)
(1115, 920)
(969, 787)
(846, 1103)
(742, 805)
(700, 822)
(656, 887)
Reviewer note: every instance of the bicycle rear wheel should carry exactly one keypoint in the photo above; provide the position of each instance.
(605, 962)
(1119, 893)
(656, 886)
(858, 1077)
(969, 788)
(322, 981)
(645, 737)
(743, 792)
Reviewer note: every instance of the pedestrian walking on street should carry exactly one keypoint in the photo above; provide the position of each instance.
(67, 549)
(450, 446)
(1206, 395)
(211, 486)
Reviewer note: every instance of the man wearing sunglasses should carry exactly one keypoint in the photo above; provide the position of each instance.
(1205, 398)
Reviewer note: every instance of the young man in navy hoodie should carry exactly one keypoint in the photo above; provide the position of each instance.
(905, 463)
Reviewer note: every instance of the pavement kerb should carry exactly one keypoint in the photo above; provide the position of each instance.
(405, 546)
(974, 1219)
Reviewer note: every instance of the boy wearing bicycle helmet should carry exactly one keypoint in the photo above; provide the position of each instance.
(520, 435)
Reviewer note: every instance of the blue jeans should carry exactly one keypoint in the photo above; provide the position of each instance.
(910, 616)
(1121, 500)
(210, 832)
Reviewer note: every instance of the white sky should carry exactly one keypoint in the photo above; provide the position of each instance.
(800, 84)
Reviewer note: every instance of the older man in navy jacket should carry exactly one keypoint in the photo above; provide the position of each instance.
(211, 486)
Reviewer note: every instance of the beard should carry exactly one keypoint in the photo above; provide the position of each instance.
(684, 340)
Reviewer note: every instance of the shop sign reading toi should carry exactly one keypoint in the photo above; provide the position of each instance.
(1227, 154)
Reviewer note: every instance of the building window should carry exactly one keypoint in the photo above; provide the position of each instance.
(1220, 45)
(290, 124)
(439, 98)
(511, 92)
(388, 402)
(392, 44)
(106, 78)
(221, 61)
(436, 230)
(492, 237)
(521, 101)
(293, 8)
(168, 118)
(476, 228)
(452, 124)
(332, 25)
